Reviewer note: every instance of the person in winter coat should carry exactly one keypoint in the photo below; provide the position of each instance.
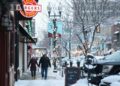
(33, 64)
(54, 63)
(44, 63)
(78, 63)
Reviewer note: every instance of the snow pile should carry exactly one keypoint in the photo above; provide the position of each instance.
(112, 78)
(81, 82)
(115, 84)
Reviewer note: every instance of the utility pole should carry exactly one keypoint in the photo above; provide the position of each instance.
(54, 33)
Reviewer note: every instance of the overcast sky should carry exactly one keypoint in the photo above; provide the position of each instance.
(41, 19)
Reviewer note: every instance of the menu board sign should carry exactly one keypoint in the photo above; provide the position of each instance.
(72, 74)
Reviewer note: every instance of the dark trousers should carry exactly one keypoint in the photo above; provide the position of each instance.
(33, 73)
(44, 71)
(55, 67)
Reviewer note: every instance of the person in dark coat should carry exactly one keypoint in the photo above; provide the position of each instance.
(71, 63)
(78, 63)
(65, 64)
(33, 64)
(44, 63)
(54, 63)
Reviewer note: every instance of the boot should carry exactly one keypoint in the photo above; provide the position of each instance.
(34, 77)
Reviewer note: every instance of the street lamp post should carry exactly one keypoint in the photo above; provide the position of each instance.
(70, 45)
(102, 41)
(54, 22)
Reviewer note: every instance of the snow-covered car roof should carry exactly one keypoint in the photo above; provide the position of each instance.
(111, 78)
(115, 83)
(112, 59)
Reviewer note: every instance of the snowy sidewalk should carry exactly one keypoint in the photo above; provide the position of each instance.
(40, 83)
(54, 79)
(51, 74)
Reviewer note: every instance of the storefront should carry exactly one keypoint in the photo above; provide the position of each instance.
(7, 41)
(14, 41)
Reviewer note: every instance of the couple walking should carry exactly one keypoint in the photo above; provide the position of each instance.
(44, 63)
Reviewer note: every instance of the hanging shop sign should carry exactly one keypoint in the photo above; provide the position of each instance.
(31, 8)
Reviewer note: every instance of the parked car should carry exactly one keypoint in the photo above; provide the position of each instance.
(112, 59)
(111, 66)
(111, 80)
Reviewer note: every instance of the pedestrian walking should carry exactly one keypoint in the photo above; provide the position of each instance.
(71, 63)
(65, 64)
(33, 64)
(78, 63)
(44, 63)
(54, 63)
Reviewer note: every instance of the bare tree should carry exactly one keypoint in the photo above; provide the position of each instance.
(64, 45)
(66, 38)
(88, 16)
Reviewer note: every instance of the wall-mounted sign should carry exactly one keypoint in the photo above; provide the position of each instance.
(31, 8)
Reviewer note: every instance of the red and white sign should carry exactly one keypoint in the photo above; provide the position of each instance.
(31, 8)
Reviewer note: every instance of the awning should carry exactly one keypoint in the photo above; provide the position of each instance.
(28, 39)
